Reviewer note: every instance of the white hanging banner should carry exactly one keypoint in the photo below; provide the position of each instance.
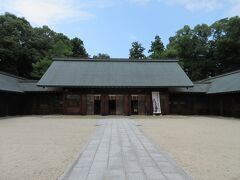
(156, 103)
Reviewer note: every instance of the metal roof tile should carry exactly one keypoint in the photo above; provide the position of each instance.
(115, 73)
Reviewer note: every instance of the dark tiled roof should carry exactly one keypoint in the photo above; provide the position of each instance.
(31, 86)
(12, 83)
(197, 88)
(224, 83)
(115, 73)
(124, 73)
(9, 82)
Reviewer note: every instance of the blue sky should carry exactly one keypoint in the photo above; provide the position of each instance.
(110, 26)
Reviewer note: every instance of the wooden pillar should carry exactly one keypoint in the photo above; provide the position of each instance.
(64, 104)
(232, 105)
(148, 105)
(35, 104)
(210, 102)
(166, 104)
(52, 104)
(195, 102)
(106, 107)
(84, 104)
(127, 105)
(103, 113)
(221, 105)
(4, 105)
(80, 104)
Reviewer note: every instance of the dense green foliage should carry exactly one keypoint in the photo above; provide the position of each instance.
(204, 50)
(208, 50)
(136, 52)
(16, 45)
(101, 56)
(28, 51)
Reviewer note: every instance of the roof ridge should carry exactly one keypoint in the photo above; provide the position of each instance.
(12, 75)
(116, 60)
(221, 75)
(27, 81)
(201, 82)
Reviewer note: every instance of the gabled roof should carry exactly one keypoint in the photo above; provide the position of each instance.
(114, 73)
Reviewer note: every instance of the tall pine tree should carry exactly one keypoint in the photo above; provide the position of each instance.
(136, 52)
(157, 48)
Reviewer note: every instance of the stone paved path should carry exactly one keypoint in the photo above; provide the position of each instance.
(119, 151)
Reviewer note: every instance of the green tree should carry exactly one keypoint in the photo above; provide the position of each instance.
(207, 50)
(136, 51)
(192, 47)
(16, 51)
(78, 49)
(157, 48)
(60, 49)
(44, 41)
(24, 50)
(225, 45)
(169, 53)
(40, 67)
(101, 56)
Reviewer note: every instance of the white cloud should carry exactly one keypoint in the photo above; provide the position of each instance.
(51, 12)
(139, 2)
(197, 5)
(228, 7)
(47, 12)
(97, 3)
(234, 9)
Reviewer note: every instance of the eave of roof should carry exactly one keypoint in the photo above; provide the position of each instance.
(198, 88)
(31, 86)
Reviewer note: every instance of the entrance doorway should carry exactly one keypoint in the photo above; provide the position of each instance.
(112, 107)
(134, 107)
(97, 107)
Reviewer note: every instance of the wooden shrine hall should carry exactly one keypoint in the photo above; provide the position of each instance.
(119, 87)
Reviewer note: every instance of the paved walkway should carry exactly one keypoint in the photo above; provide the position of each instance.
(119, 151)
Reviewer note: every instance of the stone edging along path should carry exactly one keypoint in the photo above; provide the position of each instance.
(118, 151)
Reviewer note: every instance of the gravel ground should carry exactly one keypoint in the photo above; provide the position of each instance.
(208, 148)
(41, 147)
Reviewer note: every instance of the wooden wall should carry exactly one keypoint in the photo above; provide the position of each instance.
(11, 104)
(47, 103)
(75, 101)
(83, 103)
(225, 104)
(205, 104)
(189, 104)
